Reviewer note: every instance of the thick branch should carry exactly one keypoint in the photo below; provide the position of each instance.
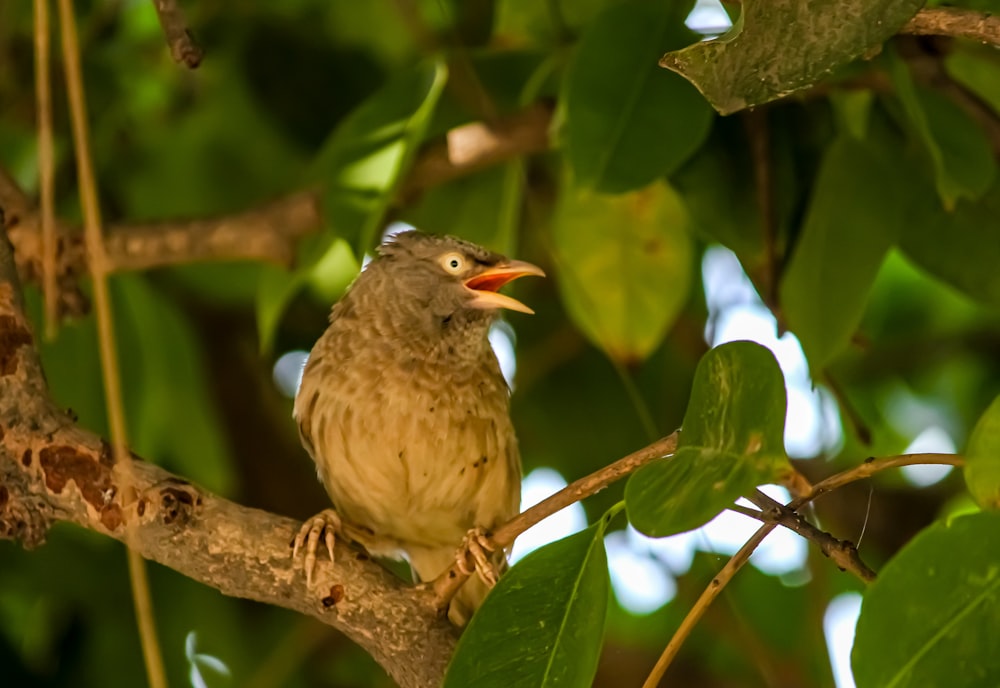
(268, 233)
(953, 21)
(51, 470)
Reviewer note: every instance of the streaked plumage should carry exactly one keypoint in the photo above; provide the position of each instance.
(404, 409)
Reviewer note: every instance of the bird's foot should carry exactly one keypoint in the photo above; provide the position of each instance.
(476, 544)
(323, 527)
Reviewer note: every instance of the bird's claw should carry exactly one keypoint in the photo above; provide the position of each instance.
(324, 527)
(476, 544)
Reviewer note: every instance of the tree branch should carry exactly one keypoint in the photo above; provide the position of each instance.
(183, 47)
(841, 552)
(448, 583)
(268, 233)
(956, 22)
(52, 470)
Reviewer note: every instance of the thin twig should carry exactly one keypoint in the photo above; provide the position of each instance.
(864, 470)
(706, 598)
(841, 552)
(956, 22)
(105, 327)
(183, 47)
(46, 167)
(447, 584)
(870, 467)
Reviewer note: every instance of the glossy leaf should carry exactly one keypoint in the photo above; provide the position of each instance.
(782, 46)
(372, 148)
(732, 440)
(627, 121)
(982, 459)
(958, 149)
(543, 624)
(931, 617)
(624, 266)
(852, 221)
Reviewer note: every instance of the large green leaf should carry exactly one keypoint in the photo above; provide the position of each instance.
(961, 247)
(781, 46)
(367, 155)
(543, 624)
(627, 121)
(732, 440)
(961, 154)
(932, 616)
(982, 459)
(359, 169)
(624, 265)
(852, 221)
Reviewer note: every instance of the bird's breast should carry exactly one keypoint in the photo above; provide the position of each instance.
(414, 449)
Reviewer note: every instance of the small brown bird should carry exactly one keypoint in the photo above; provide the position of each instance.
(405, 411)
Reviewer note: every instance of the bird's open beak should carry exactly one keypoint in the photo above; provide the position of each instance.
(484, 286)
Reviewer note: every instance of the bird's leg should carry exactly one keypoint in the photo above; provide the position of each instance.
(324, 527)
(476, 544)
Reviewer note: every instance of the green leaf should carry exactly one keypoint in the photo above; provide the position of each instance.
(982, 459)
(959, 150)
(318, 257)
(624, 265)
(973, 67)
(482, 208)
(365, 158)
(543, 624)
(961, 247)
(627, 121)
(782, 46)
(172, 418)
(931, 617)
(852, 221)
(732, 440)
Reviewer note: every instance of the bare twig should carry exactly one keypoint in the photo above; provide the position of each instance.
(957, 22)
(842, 552)
(448, 583)
(706, 598)
(870, 467)
(864, 470)
(183, 47)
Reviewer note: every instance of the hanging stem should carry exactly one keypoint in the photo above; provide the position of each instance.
(141, 597)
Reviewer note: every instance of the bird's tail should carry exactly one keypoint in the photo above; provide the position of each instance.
(428, 563)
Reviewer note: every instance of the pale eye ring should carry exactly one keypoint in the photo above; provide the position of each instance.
(453, 263)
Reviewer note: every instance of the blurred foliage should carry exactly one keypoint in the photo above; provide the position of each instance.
(864, 209)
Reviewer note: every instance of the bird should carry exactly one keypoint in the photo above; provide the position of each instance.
(406, 414)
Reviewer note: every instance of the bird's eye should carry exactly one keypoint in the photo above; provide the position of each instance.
(453, 263)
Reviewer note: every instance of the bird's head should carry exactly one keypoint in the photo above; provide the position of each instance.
(447, 277)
